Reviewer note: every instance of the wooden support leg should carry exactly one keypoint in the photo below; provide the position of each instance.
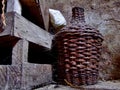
(20, 52)
(14, 71)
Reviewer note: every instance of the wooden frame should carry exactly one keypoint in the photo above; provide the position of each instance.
(19, 31)
(21, 74)
(19, 27)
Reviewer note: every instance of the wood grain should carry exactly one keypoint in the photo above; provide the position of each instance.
(20, 27)
(31, 32)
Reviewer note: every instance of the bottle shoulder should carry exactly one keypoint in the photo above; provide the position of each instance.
(79, 26)
(81, 29)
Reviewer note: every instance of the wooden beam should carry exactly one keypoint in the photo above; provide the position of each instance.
(42, 9)
(20, 52)
(31, 32)
(20, 27)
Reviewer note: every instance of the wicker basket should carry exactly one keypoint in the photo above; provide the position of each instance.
(79, 47)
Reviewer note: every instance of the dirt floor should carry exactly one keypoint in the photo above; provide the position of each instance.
(109, 85)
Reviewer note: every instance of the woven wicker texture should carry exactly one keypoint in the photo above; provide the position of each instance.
(79, 47)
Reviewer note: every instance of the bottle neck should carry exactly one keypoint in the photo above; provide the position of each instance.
(78, 15)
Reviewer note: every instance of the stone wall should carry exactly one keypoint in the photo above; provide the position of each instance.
(103, 15)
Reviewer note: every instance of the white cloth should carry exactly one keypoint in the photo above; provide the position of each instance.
(56, 18)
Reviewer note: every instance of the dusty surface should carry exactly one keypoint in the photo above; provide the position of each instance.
(114, 85)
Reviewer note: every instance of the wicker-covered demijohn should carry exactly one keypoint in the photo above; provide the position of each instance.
(79, 47)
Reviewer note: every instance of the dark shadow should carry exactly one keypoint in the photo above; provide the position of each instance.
(5, 55)
(6, 45)
(39, 55)
(32, 13)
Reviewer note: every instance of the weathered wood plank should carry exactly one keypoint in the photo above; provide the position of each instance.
(41, 12)
(20, 52)
(20, 27)
(35, 74)
(14, 6)
(10, 5)
(44, 7)
(29, 31)
(14, 77)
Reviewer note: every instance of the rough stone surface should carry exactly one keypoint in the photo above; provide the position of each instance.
(103, 15)
(114, 85)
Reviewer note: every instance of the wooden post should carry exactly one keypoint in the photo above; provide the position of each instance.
(20, 52)
(10, 5)
(14, 6)
(44, 7)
